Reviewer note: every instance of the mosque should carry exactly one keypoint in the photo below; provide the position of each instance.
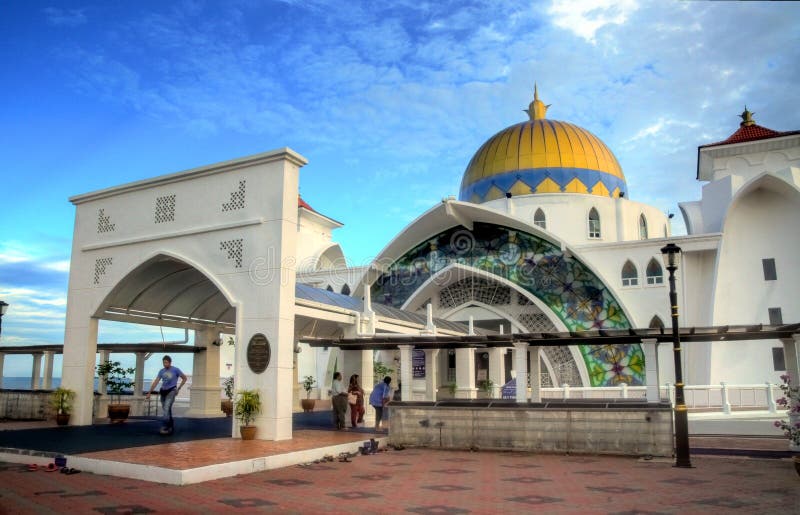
(544, 238)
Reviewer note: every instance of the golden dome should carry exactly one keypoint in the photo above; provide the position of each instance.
(542, 156)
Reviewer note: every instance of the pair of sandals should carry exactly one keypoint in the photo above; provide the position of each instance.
(52, 467)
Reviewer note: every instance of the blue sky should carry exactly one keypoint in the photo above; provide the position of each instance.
(387, 100)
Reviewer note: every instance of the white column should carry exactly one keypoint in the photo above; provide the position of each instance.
(521, 367)
(48, 370)
(406, 374)
(367, 382)
(651, 368)
(138, 375)
(36, 371)
(431, 373)
(465, 374)
(497, 370)
(205, 392)
(536, 375)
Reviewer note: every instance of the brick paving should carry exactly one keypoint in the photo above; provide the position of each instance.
(431, 481)
(426, 481)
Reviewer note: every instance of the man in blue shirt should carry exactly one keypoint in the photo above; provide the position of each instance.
(169, 390)
(380, 395)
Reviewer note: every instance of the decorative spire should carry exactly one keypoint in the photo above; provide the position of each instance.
(536, 110)
(747, 118)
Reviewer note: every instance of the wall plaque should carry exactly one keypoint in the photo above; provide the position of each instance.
(258, 353)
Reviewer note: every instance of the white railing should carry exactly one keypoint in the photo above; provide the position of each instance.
(721, 397)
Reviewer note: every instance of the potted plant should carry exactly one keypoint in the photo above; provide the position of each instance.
(61, 401)
(791, 427)
(117, 381)
(308, 403)
(452, 387)
(226, 405)
(486, 386)
(248, 405)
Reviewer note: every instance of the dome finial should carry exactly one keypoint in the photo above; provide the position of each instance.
(536, 109)
(747, 118)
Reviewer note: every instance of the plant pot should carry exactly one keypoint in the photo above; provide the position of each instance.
(227, 407)
(248, 432)
(308, 404)
(62, 419)
(117, 413)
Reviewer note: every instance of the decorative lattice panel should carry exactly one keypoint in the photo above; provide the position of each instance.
(165, 209)
(104, 222)
(100, 266)
(237, 198)
(471, 289)
(536, 322)
(234, 249)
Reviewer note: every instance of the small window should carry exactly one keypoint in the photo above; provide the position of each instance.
(770, 273)
(655, 275)
(656, 323)
(775, 316)
(594, 223)
(630, 277)
(345, 289)
(539, 219)
(778, 359)
(329, 288)
(642, 227)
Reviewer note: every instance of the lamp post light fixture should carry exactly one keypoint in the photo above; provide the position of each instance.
(3, 309)
(671, 253)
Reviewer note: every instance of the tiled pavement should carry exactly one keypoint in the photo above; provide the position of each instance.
(423, 481)
(432, 482)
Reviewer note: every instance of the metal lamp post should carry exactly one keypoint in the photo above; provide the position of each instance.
(671, 253)
(3, 309)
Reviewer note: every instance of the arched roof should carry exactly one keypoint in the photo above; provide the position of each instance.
(167, 291)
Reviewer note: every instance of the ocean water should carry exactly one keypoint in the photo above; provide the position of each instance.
(24, 383)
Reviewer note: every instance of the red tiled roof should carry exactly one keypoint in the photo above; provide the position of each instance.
(748, 133)
(303, 203)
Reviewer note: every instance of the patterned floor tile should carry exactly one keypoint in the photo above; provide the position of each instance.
(373, 477)
(89, 493)
(352, 496)
(438, 509)
(596, 472)
(452, 471)
(522, 466)
(534, 499)
(613, 489)
(685, 481)
(289, 482)
(724, 502)
(526, 480)
(124, 509)
(252, 502)
(447, 488)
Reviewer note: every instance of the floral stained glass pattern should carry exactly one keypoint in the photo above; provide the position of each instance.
(570, 289)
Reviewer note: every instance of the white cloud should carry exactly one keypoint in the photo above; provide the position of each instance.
(585, 17)
(58, 266)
